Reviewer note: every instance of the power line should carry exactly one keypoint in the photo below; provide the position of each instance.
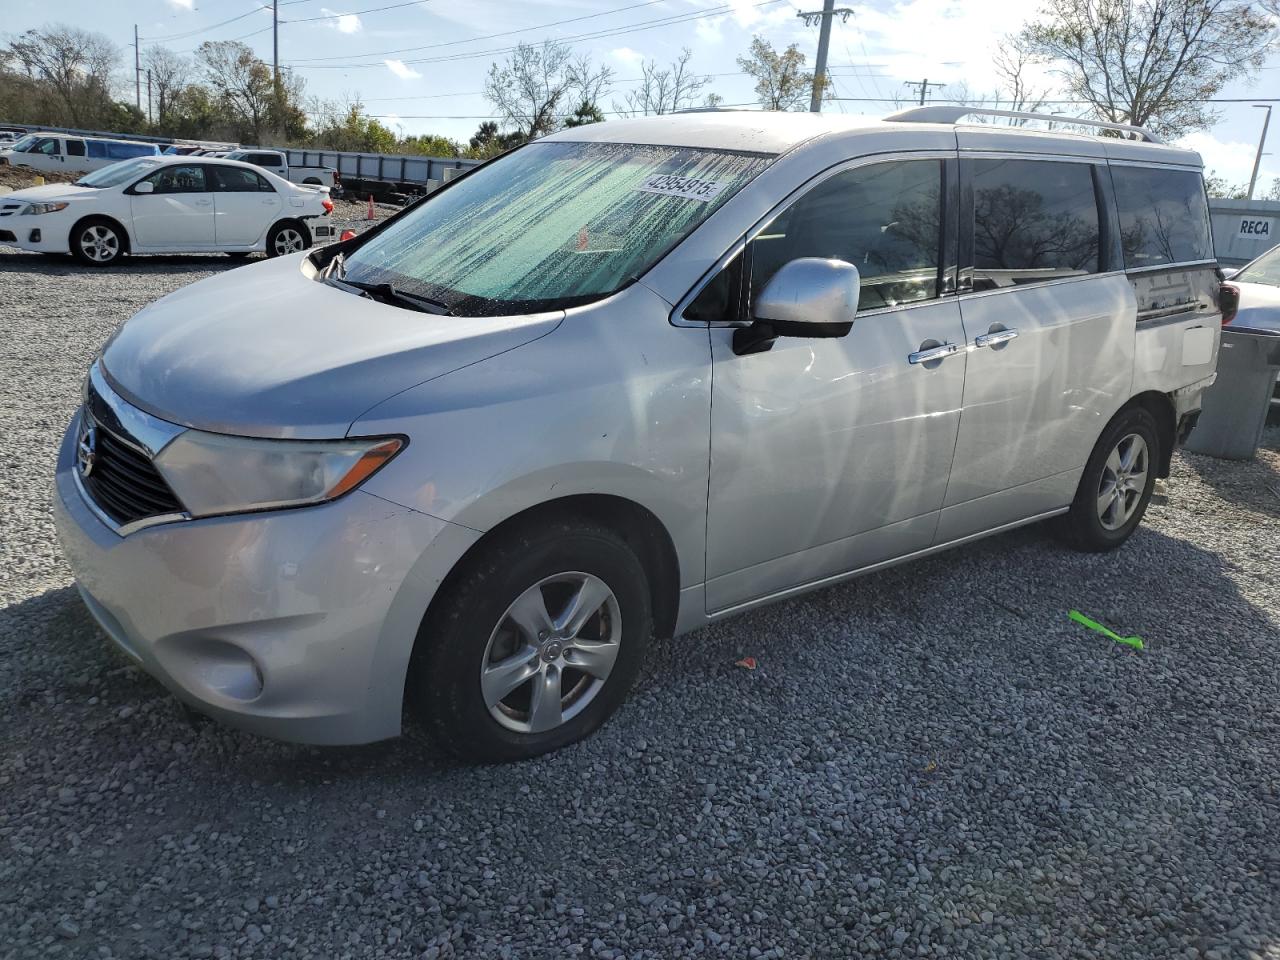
(596, 35)
(214, 26)
(357, 13)
(489, 36)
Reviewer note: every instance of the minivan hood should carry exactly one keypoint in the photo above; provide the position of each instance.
(266, 350)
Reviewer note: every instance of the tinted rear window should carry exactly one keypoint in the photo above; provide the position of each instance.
(1164, 216)
(1034, 220)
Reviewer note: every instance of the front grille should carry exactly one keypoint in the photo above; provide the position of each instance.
(123, 482)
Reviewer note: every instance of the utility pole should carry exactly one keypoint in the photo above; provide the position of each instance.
(1257, 160)
(148, 95)
(924, 86)
(137, 70)
(275, 60)
(823, 19)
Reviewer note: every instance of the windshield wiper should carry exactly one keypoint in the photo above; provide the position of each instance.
(388, 293)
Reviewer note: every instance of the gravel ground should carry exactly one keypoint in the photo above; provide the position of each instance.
(929, 762)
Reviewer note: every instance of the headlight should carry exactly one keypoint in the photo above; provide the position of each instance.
(34, 209)
(213, 473)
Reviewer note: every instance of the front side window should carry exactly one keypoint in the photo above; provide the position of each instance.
(551, 225)
(1164, 216)
(186, 178)
(1266, 269)
(1033, 220)
(885, 219)
(48, 147)
(240, 180)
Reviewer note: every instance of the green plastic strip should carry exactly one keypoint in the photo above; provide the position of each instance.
(1078, 617)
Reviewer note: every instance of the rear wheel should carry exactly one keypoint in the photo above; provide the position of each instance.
(98, 242)
(1116, 485)
(285, 238)
(535, 645)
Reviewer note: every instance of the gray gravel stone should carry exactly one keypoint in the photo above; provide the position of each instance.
(928, 762)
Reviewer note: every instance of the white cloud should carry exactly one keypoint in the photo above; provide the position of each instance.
(342, 22)
(627, 55)
(183, 4)
(402, 70)
(1230, 159)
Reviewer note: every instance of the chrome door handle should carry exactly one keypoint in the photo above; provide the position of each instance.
(934, 353)
(995, 338)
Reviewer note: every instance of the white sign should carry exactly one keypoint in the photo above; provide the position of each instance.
(691, 188)
(1256, 228)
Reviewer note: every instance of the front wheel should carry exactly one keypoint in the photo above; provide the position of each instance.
(536, 643)
(286, 238)
(1116, 485)
(97, 242)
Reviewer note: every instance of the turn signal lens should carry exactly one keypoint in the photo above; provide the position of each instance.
(328, 205)
(369, 464)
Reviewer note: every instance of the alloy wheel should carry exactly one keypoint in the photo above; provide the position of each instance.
(100, 243)
(551, 652)
(289, 240)
(1124, 479)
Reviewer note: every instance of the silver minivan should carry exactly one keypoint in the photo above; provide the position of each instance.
(620, 383)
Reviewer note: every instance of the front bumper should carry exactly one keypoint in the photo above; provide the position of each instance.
(294, 624)
(47, 233)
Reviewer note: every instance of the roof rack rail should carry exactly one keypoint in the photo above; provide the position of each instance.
(953, 114)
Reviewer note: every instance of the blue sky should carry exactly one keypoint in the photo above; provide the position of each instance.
(404, 78)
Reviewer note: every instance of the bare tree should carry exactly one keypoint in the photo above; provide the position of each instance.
(1150, 62)
(536, 82)
(75, 63)
(1018, 90)
(782, 83)
(666, 90)
(242, 82)
(170, 73)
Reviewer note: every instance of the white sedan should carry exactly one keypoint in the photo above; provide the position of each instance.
(167, 205)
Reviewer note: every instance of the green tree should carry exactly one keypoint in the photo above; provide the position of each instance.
(1153, 63)
(586, 112)
(242, 82)
(782, 83)
(430, 145)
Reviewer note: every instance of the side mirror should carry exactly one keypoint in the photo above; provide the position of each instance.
(1228, 272)
(809, 297)
(146, 186)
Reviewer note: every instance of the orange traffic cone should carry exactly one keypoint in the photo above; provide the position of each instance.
(369, 214)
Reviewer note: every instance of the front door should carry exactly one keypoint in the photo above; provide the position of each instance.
(832, 454)
(178, 214)
(1050, 333)
(245, 205)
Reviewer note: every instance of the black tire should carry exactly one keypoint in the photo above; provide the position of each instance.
(274, 236)
(444, 678)
(98, 242)
(1082, 527)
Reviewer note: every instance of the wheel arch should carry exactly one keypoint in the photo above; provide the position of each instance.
(638, 526)
(1163, 413)
(287, 221)
(127, 240)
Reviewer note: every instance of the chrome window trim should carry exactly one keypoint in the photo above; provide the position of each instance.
(676, 317)
(1030, 155)
(1157, 165)
(1040, 284)
(1180, 265)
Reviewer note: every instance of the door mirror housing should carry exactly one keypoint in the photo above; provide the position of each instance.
(146, 186)
(809, 297)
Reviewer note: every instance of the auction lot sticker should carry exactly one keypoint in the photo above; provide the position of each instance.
(691, 188)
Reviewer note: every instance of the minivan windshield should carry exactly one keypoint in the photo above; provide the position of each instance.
(1266, 269)
(117, 173)
(551, 225)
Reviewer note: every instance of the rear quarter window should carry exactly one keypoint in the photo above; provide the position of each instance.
(1164, 216)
